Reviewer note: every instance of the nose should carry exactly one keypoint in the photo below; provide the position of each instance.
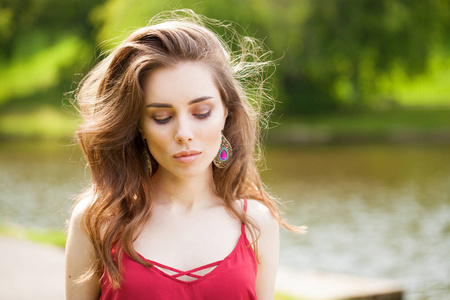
(183, 133)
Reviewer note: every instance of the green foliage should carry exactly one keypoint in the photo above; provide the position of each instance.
(333, 52)
(28, 75)
(56, 18)
(43, 43)
(350, 43)
(341, 53)
(431, 88)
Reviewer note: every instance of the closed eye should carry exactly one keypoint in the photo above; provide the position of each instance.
(162, 121)
(203, 116)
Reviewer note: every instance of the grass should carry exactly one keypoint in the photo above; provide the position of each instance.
(46, 236)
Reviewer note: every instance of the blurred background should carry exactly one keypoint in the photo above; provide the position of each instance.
(360, 153)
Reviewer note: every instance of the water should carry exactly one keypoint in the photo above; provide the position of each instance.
(38, 182)
(381, 211)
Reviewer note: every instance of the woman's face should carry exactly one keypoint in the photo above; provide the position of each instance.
(182, 118)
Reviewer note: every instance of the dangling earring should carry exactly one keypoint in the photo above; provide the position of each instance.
(147, 157)
(223, 156)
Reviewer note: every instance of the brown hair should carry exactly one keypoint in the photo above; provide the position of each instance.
(110, 98)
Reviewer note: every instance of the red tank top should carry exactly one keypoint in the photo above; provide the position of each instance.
(234, 277)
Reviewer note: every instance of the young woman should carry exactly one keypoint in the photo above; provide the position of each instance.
(176, 209)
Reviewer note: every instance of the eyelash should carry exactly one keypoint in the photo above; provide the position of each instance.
(166, 120)
(203, 116)
(162, 121)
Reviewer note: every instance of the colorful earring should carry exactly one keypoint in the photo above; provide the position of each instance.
(223, 156)
(147, 157)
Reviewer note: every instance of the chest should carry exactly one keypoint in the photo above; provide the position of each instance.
(234, 278)
(190, 241)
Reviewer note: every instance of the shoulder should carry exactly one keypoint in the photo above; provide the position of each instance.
(267, 244)
(79, 209)
(74, 224)
(268, 225)
(262, 215)
(80, 255)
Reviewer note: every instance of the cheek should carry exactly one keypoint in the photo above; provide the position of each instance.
(212, 136)
(158, 149)
(214, 139)
(156, 139)
(158, 136)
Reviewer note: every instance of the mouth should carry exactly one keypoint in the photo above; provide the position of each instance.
(187, 156)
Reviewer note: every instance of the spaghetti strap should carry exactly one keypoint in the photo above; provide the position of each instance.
(233, 277)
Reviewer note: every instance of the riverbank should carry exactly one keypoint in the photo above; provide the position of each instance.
(397, 126)
(400, 126)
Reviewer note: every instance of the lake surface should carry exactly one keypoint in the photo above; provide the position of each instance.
(380, 211)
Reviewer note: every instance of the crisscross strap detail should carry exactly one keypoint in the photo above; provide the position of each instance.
(233, 277)
(187, 273)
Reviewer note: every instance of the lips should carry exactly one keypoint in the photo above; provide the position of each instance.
(187, 156)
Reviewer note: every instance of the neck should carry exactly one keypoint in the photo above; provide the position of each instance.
(185, 193)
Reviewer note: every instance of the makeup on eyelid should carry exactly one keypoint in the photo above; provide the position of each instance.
(161, 113)
(164, 119)
(191, 114)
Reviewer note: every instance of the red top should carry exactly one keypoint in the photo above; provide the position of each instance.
(233, 277)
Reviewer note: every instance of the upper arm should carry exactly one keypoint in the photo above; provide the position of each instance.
(79, 257)
(268, 249)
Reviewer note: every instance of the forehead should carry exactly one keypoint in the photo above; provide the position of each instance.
(180, 84)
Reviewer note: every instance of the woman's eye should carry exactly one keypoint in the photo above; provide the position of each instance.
(162, 121)
(204, 115)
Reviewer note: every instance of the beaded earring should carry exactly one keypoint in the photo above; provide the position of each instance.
(223, 156)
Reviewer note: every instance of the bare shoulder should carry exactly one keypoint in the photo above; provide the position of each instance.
(79, 209)
(79, 257)
(76, 237)
(262, 215)
(75, 233)
(268, 244)
(268, 248)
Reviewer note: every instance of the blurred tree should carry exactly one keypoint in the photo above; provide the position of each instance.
(347, 44)
(31, 31)
(277, 23)
(333, 51)
(22, 19)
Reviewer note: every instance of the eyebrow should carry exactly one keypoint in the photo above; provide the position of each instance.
(164, 105)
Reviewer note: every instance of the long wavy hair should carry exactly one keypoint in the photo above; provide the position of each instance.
(110, 99)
